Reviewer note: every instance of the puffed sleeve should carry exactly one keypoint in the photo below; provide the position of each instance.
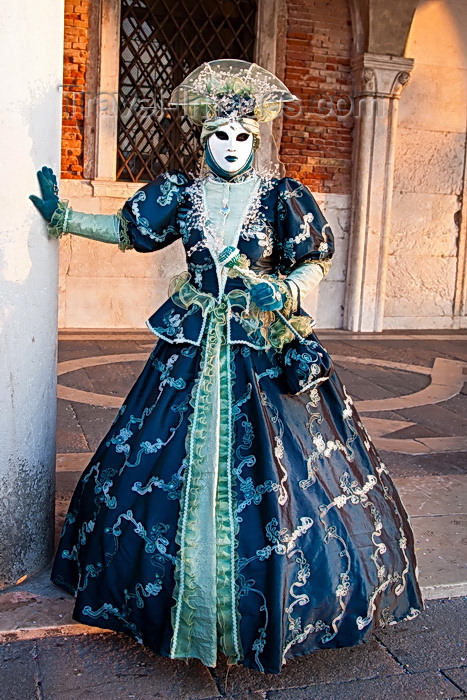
(304, 235)
(149, 216)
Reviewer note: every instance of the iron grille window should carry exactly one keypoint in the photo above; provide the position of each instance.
(161, 41)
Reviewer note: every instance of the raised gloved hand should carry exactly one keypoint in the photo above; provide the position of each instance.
(267, 296)
(49, 189)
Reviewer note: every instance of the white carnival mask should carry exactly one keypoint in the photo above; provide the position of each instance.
(231, 146)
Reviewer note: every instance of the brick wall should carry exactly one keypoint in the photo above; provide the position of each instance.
(316, 146)
(74, 77)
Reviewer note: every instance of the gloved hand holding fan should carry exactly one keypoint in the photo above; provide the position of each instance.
(305, 363)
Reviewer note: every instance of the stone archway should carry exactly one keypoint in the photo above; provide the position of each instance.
(380, 278)
(380, 73)
(427, 252)
(379, 27)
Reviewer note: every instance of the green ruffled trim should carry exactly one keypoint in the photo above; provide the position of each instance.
(228, 616)
(125, 242)
(280, 335)
(255, 321)
(185, 643)
(56, 225)
(204, 620)
(325, 265)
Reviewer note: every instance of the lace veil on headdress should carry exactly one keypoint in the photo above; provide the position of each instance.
(231, 89)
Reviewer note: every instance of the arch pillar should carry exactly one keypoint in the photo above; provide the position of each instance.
(379, 79)
(30, 117)
(271, 24)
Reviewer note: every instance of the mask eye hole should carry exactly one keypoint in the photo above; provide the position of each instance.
(222, 135)
(242, 137)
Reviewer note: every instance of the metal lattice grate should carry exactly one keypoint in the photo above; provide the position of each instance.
(161, 42)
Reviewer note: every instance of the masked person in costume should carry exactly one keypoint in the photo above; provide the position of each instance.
(237, 504)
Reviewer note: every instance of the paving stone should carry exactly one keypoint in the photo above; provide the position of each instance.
(259, 695)
(95, 422)
(440, 547)
(35, 604)
(70, 435)
(406, 465)
(366, 660)
(406, 351)
(41, 585)
(435, 639)
(458, 403)
(352, 383)
(416, 351)
(61, 509)
(65, 483)
(114, 379)
(24, 610)
(458, 676)
(74, 349)
(416, 431)
(18, 671)
(395, 382)
(435, 415)
(111, 667)
(78, 379)
(455, 348)
(434, 495)
(420, 686)
(114, 347)
(250, 696)
(72, 461)
(363, 383)
(385, 415)
(438, 507)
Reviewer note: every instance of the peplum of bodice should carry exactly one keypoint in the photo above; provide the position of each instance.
(276, 224)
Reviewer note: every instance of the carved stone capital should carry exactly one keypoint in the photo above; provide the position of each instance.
(380, 75)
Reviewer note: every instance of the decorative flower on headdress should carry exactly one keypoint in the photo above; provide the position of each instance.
(231, 88)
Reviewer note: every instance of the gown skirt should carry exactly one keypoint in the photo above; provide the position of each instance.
(223, 514)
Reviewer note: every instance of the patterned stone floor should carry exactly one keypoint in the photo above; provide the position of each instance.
(408, 388)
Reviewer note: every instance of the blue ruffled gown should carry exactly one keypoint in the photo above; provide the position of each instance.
(222, 512)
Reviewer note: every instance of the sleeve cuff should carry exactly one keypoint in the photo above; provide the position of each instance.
(125, 242)
(294, 293)
(58, 223)
(306, 277)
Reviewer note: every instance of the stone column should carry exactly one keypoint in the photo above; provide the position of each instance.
(106, 102)
(30, 120)
(271, 21)
(379, 80)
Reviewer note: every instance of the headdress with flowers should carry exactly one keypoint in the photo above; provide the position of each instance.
(233, 89)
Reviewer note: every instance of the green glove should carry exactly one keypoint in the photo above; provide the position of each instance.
(49, 189)
(267, 296)
(62, 219)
